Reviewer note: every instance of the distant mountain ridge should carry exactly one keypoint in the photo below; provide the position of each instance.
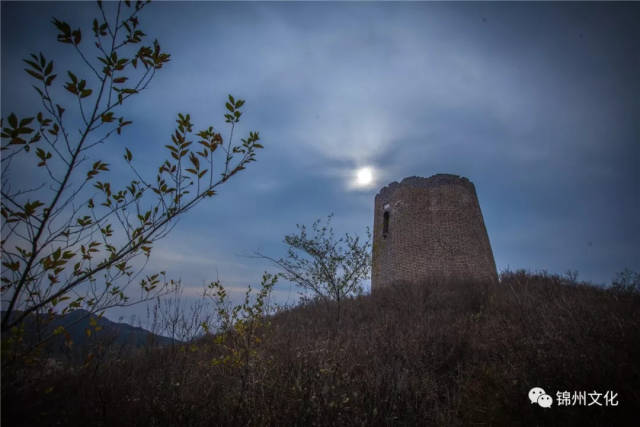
(73, 335)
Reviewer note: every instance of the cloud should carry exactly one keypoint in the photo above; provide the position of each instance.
(537, 104)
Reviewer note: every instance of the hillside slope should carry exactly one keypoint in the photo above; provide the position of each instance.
(437, 354)
(73, 343)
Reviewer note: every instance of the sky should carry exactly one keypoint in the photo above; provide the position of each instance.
(538, 104)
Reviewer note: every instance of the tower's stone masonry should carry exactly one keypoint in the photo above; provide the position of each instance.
(430, 229)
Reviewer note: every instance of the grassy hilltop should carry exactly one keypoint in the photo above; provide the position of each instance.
(438, 354)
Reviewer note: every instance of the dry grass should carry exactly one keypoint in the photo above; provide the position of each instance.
(437, 354)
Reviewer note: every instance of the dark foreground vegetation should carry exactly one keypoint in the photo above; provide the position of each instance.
(439, 354)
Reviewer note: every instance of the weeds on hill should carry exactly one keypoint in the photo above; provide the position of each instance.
(435, 354)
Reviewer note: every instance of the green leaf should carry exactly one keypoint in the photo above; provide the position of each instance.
(43, 156)
(194, 160)
(26, 121)
(33, 64)
(39, 91)
(71, 87)
(24, 130)
(34, 74)
(13, 121)
(13, 266)
(62, 26)
(77, 37)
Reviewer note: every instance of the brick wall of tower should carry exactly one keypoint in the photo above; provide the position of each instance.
(435, 232)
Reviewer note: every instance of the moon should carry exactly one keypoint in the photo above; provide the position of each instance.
(364, 177)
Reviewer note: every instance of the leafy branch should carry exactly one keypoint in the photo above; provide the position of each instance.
(73, 241)
(330, 268)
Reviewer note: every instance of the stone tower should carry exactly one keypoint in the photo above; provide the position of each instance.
(427, 229)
